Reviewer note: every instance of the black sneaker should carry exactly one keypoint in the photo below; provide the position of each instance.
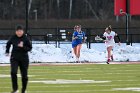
(24, 92)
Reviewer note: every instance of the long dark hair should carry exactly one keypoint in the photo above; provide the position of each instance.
(108, 28)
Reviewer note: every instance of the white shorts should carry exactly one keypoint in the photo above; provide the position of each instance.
(110, 44)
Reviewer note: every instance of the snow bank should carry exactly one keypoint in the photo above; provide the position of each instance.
(48, 53)
(128, 53)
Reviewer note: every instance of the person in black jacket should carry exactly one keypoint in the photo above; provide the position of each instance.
(19, 57)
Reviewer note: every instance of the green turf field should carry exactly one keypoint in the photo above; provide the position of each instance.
(94, 78)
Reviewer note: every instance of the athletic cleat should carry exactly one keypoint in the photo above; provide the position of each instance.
(77, 62)
(108, 61)
(16, 91)
(112, 58)
(80, 62)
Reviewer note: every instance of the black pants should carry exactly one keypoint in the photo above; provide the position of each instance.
(22, 63)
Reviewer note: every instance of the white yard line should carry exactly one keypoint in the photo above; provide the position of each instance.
(63, 81)
(8, 75)
(136, 89)
(67, 86)
(124, 71)
(121, 73)
(117, 85)
(108, 77)
(76, 91)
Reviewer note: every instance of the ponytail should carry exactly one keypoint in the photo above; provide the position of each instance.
(110, 28)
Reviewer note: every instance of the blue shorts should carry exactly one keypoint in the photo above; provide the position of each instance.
(76, 42)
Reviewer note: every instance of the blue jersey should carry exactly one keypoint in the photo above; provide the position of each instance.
(80, 38)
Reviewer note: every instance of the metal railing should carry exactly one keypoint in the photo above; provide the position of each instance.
(55, 36)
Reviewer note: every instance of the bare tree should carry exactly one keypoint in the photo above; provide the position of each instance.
(58, 6)
(29, 7)
(58, 9)
(92, 10)
(70, 9)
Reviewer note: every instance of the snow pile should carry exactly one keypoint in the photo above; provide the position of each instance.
(3, 58)
(92, 54)
(128, 53)
(97, 53)
(46, 53)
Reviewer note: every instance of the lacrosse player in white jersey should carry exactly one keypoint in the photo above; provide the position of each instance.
(108, 37)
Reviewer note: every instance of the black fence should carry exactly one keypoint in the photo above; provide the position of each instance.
(58, 40)
(60, 36)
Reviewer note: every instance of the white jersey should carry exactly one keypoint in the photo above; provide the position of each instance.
(109, 38)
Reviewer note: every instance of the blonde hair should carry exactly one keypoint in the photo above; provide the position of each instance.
(77, 26)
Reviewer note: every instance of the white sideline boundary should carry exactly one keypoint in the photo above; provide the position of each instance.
(83, 63)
